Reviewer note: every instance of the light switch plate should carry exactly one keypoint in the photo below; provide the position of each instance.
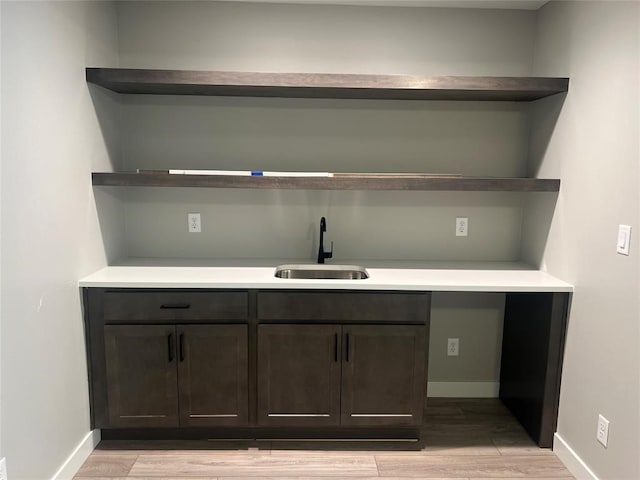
(624, 239)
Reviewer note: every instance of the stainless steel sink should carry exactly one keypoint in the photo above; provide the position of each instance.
(325, 272)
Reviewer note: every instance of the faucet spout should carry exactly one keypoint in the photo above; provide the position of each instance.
(321, 253)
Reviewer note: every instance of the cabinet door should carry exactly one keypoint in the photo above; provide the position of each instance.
(141, 375)
(213, 369)
(299, 375)
(383, 375)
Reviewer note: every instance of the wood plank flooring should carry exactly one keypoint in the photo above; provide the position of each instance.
(463, 439)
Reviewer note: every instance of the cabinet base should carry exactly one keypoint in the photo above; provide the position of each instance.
(408, 434)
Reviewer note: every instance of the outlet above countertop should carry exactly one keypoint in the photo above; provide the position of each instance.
(383, 275)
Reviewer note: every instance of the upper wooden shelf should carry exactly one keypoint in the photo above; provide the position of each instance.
(346, 182)
(325, 85)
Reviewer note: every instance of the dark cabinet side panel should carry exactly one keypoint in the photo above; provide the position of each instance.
(94, 329)
(383, 375)
(213, 371)
(298, 375)
(531, 365)
(141, 375)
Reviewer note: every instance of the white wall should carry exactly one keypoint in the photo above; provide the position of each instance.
(324, 135)
(314, 38)
(594, 150)
(51, 141)
(328, 135)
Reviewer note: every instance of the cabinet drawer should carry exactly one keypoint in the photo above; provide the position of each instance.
(175, 306)
(343, 307)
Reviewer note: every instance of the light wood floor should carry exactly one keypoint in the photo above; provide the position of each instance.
(463, 439)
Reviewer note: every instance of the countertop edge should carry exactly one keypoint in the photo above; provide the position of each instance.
(396, 279)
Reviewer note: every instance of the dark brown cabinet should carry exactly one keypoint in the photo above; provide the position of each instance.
(141, 375)
(212, 375)
(356, 375)
(383, 374)
(220, 363)
(167, 357)
(299, 375)
(355, 359)
(186, 375)
(199, 363)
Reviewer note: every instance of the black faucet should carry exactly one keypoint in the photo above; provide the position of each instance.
(321, 253)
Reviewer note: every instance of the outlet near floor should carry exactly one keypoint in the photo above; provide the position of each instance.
(453, 347)
(603, 430)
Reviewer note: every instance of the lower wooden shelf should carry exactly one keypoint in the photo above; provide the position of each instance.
(409, 182)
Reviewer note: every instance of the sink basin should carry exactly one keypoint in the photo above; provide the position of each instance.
(326, 272)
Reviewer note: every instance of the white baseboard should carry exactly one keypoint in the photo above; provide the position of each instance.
(463, 389)
(71, 466)
(571, 460)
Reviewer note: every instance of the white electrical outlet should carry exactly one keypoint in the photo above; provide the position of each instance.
(194, 224)
(453, 347)
(3, 469)
(603, 430)
(462, 226)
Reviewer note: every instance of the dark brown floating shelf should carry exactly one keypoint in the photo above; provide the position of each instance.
(325, 85)
(351, 182)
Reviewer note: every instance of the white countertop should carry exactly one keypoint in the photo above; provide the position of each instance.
(383, 275)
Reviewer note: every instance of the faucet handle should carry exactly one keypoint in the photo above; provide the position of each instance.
(329, 254)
